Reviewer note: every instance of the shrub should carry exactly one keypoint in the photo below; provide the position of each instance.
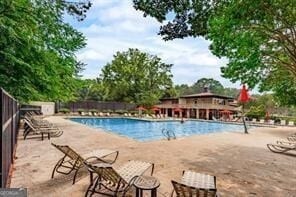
(120, 111)
(80, 110)
(64, 110)
(93, 110)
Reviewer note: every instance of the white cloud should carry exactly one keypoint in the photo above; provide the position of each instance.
(90, 54)
(114, 25)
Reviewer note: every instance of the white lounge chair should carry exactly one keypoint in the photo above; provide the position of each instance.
(291, 123)
(271, 122)
(254, 120)
(283, 122)
(261, 121)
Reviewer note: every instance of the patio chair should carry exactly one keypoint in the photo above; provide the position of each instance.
(113, 182)
(281, 147)
(271, 122)
(49, 131)
(72, 161)
(292, 138)
(38, 122)
(194, 184)
(261, 121)
(283, 122)
(291, 123)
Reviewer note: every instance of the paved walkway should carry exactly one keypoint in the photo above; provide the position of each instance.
(242, 163)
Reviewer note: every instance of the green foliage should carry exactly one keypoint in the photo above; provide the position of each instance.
(93, 110)
(37, 60)
(136, 77)
(256, 112)
(213, 85)
(64, 110)
(90, 90)
(257, 37)
(81, 110)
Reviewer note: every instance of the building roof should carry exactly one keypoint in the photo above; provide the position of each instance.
(169, 98)
(205, 94)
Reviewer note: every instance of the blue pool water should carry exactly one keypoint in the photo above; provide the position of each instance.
(148, 131)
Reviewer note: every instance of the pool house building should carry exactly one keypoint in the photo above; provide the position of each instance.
(205, 105)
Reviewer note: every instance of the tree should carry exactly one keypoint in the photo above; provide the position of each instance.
(184, 89)
(258, 37)
(137, 77)
(90, 90)
(213, 85)
(37, 48)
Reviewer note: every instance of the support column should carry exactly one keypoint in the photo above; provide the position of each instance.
(188, 113)
(173, 113)
(197, 113)
(207, 114)
(166, 112)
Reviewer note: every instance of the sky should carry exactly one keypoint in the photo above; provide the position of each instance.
(114, 25)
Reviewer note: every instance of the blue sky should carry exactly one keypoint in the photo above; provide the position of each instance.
(114, 25)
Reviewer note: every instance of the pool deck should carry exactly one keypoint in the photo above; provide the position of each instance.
(242, 163)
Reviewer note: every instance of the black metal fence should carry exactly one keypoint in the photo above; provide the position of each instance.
(97, 105)
(9, 122)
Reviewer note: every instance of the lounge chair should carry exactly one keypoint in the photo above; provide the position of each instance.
(113, 182)
(194, 184)
(30, 128)
(283, 122)
(95, 114)
(291, 123)
(261, 121)
(254, 120)
(90, 113)
(292, 138)
(281, 147)
(38, 122)
(72, 161)
(271, 122)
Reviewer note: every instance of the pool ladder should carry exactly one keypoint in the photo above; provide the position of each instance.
(169, 134)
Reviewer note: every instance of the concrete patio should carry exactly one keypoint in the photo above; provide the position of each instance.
(242, 163)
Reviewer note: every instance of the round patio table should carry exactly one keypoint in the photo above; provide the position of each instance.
(146, 183)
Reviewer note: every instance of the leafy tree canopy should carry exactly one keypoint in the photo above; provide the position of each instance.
(37, 60)
(90, 90)
(213, 85)
(137, 77)
(258, 37)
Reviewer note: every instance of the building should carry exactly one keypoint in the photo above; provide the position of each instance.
(205, 105)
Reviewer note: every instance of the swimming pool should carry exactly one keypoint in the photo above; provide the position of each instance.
(147, 131)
